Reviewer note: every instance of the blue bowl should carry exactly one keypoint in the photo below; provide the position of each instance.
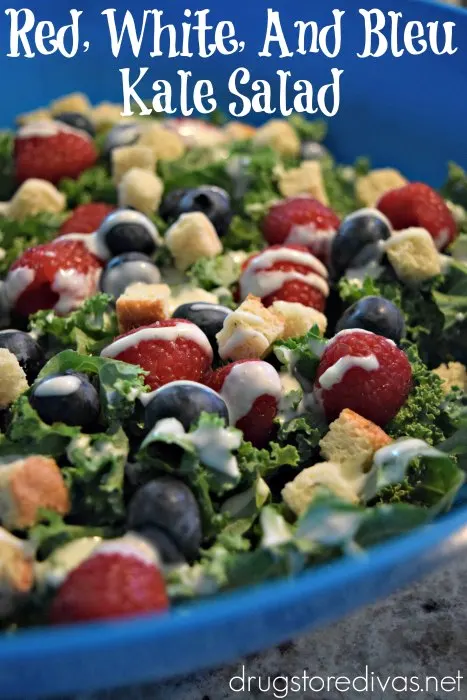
(408, 113)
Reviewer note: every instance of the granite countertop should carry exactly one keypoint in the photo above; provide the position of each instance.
(420, 631)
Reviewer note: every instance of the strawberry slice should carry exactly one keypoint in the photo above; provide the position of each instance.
(417, 204)
(50, 150)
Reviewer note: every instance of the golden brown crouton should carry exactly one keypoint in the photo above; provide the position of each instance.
(239, 131)
(352, 441)
(370, 188)
(165, 143)
(453, 375)
(192, 237)
(299, 493)
(298, 318)
(26, 486)
(141, 189)
(280, 135)
(413, 255)
(128, 157)
(75, 102)
(142, 304)
(306, 179)
(13, 380)
(35, 196)
(249, 331)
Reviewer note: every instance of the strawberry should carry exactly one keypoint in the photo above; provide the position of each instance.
(252, 391)
(285, 273)
(116, 580)
(302, 220)
(364, 372)
(86, 218)
(419, 205)
(51, 151)
(168, 350)
(57, 275)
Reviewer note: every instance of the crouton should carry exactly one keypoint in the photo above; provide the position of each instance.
(13, 380)
(249, 331)
(26, 486)
(142, 304)
(298, 318)
(300, 493)
(453, 375)
(306, 179)
(352, 441)
(35, 196)
(127, 157)
(75, 102)
(165, 143)
(413, 255)
(16, 572)
(280, 135)
(38, 115)
(370, 188)
(188, 295)
(140, 189)
(238, 131)
(192, 237)
(105, 115)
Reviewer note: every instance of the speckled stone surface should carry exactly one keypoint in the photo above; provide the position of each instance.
(421, 631)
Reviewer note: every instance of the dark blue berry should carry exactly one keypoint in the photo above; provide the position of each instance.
(66, 398)
(209, 317)
(168, 504)
(77, 121)
(128, 231)
(358, 240)
(165, 546)
(168, 209)
(185, 401)
(375, 314)
(26, 350)
(127, 269)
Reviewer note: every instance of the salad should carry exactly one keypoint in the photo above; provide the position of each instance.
(225, 358)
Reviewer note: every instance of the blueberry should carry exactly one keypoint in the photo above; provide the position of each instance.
(127, 269)
(66, 398)
(184, 401)
(209, 317)
(375, 314)
(168, 504)
(357, 241)
(124, 134)
(26, 350)
(128, 231)
(212, 201)
(77, 121)
(168, 551)
(312, 150)
(168, 209)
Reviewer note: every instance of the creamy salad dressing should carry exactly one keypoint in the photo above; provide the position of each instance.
(55, 569)
(73, 288)
(16, 283)
(264, 283)
(92, 241)
(130, 545)
(129, 216)
(43, 128)
(247, 382)
(168, 333)
(309, 235)
(58, 386)
(334, 374)
(268, 257)
(403, 450)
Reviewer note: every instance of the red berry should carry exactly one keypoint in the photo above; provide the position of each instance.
(302, 220)
(252, 391)
(419, 205)
(375, 387)
(86, 218)
(108, 585)
(168, 350)
(285, 273)
(57, 275)
(60, 153)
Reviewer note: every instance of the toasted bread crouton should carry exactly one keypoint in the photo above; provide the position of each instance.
(370, 188)
(165, 143)
(413, 255)
(105, 115)
(352, 441)
(280, 135)
(16, 572)
(298, 318)
(189, 295)
(249, 331)
(28, 485)
(13, 380)
(38, 115)
(306, 179)
(127, 157)
(75, 102)
(142, 304)
(238, 131)
(192, 237)
(299, 493)
(35, 196)
(453, 375)
(141, 189)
